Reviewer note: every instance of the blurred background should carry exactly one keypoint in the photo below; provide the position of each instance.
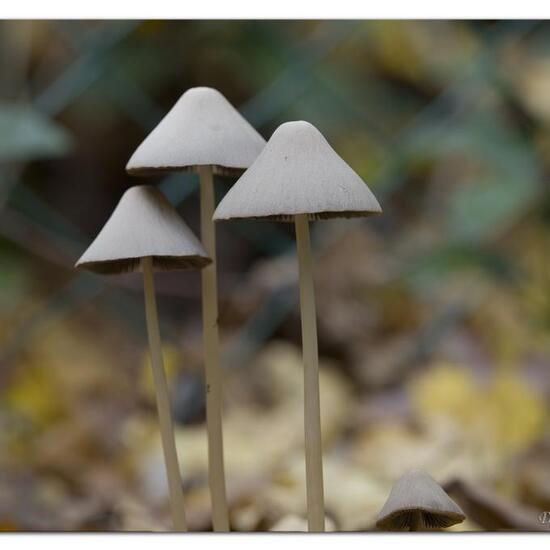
(433, 319)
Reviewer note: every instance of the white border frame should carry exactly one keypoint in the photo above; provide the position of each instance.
(282, 9)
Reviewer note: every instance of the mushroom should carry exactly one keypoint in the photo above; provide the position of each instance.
(203, 132)
(418, 503)
(145, 232)
(298, 177)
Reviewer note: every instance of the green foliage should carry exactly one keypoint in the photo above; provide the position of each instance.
(26, 134)
(447, 121)
(480, 209)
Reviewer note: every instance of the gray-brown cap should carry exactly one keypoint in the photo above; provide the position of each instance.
(417, 502)
(202, 128)
(298, 172)
(144, 224)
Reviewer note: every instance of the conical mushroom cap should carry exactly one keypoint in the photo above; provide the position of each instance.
(298, 172)
(202, 128)
(144, 224)
(417, 497)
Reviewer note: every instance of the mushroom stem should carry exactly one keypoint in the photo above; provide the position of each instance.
(312, 410)
(216, 473)
(163, 402)
(416, 523)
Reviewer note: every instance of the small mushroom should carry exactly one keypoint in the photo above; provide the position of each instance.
(145, 232)
(203, 132)
(201, 129)
(418, 503)
(298, 177)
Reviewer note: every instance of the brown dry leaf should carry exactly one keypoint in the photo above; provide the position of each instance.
(352, 496)
(247, 517)
(44, 502)
(533, 82)
(348, 308)
(493, 512)
(291, 523)
(257, 439)
(503, 324)
(512, 413)
(534, 481)
(133, 515)
(436, 445)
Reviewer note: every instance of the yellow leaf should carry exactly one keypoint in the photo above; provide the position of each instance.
(172, 358)
(31, 394)
(448, 390)
(504, 418)
(518, 415)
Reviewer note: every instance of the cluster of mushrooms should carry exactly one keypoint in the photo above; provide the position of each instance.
(295, 177)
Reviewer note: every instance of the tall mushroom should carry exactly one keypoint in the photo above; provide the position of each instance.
(144, 233)
(205, 133)
(418, 503)
(299, 177)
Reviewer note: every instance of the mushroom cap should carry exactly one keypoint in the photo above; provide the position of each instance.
(202, 128)
(144, 224)
(298, 172)
(417, 492)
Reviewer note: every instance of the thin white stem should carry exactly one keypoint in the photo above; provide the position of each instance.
(163, 401)
(216, 471)
(312, 409)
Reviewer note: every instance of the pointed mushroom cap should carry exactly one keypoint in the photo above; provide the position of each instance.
(417, 492)
(202, 128)
(298, 172)
(144, 224)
